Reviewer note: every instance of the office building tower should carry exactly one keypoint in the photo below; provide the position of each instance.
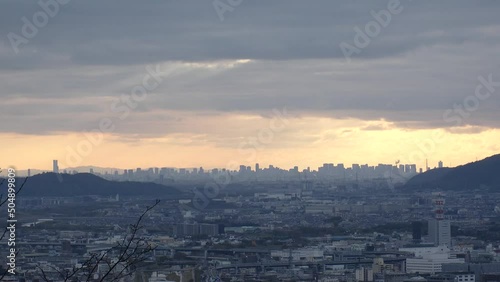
(55, 166)
(439, 228)
(413, 168)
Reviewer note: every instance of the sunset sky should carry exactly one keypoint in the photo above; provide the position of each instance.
(266, 83)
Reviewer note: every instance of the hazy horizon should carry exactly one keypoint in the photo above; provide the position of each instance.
(182, 84)
(431, 165)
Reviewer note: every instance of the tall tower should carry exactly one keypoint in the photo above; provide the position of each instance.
(55, 166)
(439, 206)
(439, 228)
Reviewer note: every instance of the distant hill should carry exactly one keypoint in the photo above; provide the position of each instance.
(83, 184)
(479, 174)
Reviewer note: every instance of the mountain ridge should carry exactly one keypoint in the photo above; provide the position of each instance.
(84, 184)
(475, 175)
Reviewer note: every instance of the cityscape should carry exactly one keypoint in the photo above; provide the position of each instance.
(249, 141)
(261, 224)
(328, 170)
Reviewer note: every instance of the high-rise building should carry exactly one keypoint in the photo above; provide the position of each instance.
(439, 228)
(55, 166)
(440, 232)
(243, 168)
(413, 168)
(440, 164)
(417, 231)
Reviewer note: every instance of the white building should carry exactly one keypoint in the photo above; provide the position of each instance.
(429, 260)
(440, 232)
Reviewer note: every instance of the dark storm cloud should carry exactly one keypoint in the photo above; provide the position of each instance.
(128, 32)
(423, 63)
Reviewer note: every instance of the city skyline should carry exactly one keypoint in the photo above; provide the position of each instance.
(250, 167)
(159, 99)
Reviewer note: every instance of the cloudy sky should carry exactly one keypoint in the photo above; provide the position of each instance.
(238, 82)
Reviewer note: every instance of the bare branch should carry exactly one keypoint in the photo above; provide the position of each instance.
(131, 251)
(125, 255)
(17, 191)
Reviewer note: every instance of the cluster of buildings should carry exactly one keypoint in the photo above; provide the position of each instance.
(329, 171)
(339, 230)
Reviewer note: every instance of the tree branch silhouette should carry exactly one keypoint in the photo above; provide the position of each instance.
(121, 260)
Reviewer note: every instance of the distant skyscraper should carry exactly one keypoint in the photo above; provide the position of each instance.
(242, 168)
(403, 168)
(439, 228)
(29, 172)
(440, 164)
(55, 166)
(413, 168)
(440, 232)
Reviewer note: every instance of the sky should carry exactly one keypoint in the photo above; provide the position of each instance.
(220, 83)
